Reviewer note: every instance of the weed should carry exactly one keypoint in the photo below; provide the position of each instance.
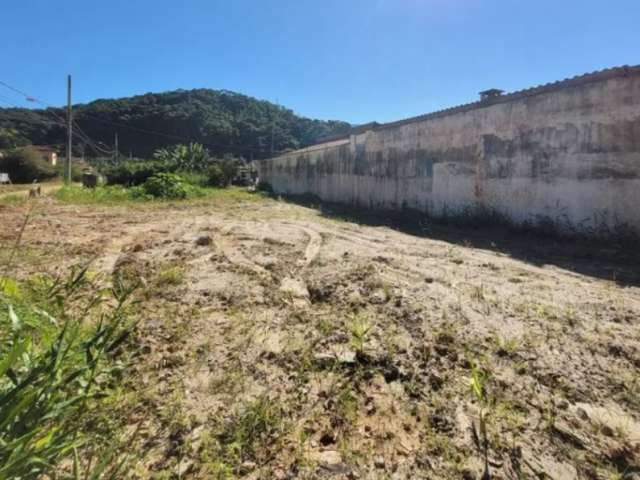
(521, 368)
(631, 389)
(324, 326)
(227, 383)
(111, 194)
(13, 199)
(506, 347)
(347, 405)
(446, 333)
(549, 416)
(478, 385)
(359, 328)
(570, 317)
(477, 293)
(171, 276)
(56, 366)
(254, 427)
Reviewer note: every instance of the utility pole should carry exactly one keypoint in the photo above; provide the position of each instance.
(272, 126)
(67, 170)
(117, 152)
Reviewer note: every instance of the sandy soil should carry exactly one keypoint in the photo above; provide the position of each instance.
(278, 341)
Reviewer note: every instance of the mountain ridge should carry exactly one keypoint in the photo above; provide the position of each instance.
(224, 121)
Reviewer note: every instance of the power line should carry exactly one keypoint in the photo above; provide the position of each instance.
(61, 121)
(130, 127)
(169, 135)
(26, 95)
(80, 136)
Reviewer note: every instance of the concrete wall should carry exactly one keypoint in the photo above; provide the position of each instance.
(567, 152)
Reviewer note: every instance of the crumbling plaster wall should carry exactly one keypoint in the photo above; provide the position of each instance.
(565, 153)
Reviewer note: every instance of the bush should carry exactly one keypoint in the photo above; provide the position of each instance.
(165, 185)
(229, 168)
(265, 187)
(132, 172)
(76, 171)
(222, 173)
(26, 165)
(194, 178)
(215, 177)
(190, 157)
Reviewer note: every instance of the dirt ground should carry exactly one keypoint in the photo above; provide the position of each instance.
(281, 341)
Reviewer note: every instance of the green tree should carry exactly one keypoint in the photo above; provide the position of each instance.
(221, 121)
(229, 168)
(10, 138)
(190, 157)
(24, 165)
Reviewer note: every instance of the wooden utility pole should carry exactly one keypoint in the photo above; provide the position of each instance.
(271, 150)
(117, 151)
(67, 170)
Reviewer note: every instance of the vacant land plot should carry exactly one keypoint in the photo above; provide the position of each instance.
(279, 341)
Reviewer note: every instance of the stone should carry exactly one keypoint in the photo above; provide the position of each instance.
(204, 240)
(330, 459)
(294, 287)
(378, 297)
(379, 462)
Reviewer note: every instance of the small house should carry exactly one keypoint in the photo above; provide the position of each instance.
(48, 153)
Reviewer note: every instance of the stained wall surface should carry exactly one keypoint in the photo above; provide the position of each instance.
(567, 152)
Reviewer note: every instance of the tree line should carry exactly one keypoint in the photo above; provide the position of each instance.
(222, 121)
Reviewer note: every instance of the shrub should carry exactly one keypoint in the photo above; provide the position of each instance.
(185, 157)
(229, 168)
(222, 172)
(194, 178)
(26, 165)
(76, 171)
(165, 185)
(265, 187)
(215, 176)
(132, 173)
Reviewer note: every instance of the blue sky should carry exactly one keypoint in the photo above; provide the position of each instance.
(353, 60)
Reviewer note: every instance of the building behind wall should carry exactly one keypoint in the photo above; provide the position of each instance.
(566, 152)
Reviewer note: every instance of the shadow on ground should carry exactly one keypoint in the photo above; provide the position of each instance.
(613, 259)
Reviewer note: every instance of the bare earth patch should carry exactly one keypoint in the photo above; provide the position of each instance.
(278, 343)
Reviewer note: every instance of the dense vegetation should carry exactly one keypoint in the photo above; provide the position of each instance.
(25, 165)
(224, 122)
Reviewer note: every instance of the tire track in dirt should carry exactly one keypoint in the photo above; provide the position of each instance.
(314, 244)
(313, 247)
(232, 253)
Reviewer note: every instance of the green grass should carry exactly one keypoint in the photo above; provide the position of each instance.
(81, 195)
(13, 199)
(255, 428)
(171, 276)
(59, 361)
(115, 195)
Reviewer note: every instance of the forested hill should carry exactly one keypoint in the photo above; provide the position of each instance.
(225, 122)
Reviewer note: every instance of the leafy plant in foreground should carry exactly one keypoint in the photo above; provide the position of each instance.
(478, 384)
(55, 366)
(165, 185)
(359, 328)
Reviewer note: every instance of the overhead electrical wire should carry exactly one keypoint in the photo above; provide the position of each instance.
(80, 136)
(77, 132)
(31, 98)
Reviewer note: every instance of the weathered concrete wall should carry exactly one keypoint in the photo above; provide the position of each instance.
(567, 152)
